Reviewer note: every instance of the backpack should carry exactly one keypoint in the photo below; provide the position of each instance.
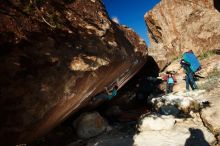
(192, 60)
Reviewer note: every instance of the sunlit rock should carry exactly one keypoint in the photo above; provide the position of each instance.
(167, 130)
(182, 101)
(87, 63)
(182, 25)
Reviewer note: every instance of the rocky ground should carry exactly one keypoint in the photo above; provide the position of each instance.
(193, 120)
(177, 119)
(182, 118)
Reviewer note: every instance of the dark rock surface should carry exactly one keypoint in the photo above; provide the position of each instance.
(55, 55)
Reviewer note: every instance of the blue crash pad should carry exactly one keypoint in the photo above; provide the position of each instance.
(193, 60)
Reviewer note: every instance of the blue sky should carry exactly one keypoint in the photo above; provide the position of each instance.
(131, 13)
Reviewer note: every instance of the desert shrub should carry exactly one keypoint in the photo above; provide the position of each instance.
(206, 54)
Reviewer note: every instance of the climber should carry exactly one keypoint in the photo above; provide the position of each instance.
(170, 79)
(189, 78)
(107, 95)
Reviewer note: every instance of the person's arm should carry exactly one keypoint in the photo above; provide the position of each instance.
(117, 83)
(174, 78)
(187, 63)
(165, 78)
(107, 91)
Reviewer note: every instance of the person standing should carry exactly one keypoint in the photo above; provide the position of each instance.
(171, 80)
(189, 77)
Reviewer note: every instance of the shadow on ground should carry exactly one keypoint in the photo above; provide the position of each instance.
(196, 138)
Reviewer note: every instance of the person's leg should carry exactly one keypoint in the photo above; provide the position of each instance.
(171, 87)
(187, 82)
(192, 81)
(167, 89)
(100, 96)
(191, 84)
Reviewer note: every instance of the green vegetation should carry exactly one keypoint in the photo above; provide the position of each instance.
(206, 54)
(178, 57)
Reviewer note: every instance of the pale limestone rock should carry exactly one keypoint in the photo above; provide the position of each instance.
(154, 122)
(184, 101)
(173, 134)
(211, 115)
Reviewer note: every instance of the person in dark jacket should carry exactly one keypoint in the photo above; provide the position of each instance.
(170, 79)
(189, 78)
(107, 95)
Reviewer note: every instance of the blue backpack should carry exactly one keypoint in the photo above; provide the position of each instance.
(192, 60)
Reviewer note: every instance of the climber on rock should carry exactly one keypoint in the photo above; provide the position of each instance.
(108, 94)
(170, 80)
(189, 78)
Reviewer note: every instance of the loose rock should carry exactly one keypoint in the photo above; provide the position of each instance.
(89, 125)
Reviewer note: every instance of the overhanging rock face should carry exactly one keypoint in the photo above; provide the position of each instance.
(176, 26)
(55, 55)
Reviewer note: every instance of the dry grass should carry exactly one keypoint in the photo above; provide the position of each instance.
(206, 54)
(211, 81)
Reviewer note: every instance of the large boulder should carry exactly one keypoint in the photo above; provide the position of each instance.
(55, 55)
(89, 125)
(176, 26)
(174, 103)
(211, 115)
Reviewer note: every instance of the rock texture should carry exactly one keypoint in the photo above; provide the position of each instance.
(202, 128)
(54, 56)
(210, 66)
(210, 84)
(89, 125)
(211, 116)
(176, 26)
(167, 130)
(174, 103)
